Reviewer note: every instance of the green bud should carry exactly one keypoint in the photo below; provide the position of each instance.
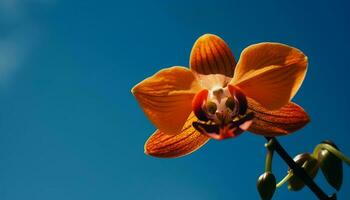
(230, 103)
(266, 185)
(211, 107)
(309, 164)
(331, 166)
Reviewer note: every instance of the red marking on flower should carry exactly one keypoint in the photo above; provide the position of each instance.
(239, 95)
(198, 103)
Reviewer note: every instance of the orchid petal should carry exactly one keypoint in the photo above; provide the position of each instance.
(270, 73)
(166, 98)
(212, 61)
(284, 121)
(163, 145)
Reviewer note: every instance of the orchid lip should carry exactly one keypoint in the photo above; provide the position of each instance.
(228, 130)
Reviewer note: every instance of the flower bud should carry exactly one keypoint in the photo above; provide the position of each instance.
(309, 164)
(266, 185)
(331, 166)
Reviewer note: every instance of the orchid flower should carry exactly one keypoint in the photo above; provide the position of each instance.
(217, 98)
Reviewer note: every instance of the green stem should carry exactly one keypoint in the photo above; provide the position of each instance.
(284, 180)
(269, 155)
(333, 150)
(268, 162)
(287, 177)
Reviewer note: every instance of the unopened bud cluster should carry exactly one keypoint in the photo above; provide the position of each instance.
(323, 159)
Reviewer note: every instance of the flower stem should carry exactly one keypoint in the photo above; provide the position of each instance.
(284, 180)
(297, 170)
(333, 150)
(268, 162)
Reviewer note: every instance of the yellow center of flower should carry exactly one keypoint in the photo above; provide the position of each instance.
(222, 112)
(220, 106)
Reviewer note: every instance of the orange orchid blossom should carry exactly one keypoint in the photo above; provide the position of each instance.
(219, 98)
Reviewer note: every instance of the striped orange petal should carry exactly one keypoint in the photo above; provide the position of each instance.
(284, 121)
(164, 145)
(212, 61)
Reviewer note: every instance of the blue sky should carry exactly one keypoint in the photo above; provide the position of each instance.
(70, 128)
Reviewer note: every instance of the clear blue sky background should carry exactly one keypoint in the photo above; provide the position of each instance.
(70, 128)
